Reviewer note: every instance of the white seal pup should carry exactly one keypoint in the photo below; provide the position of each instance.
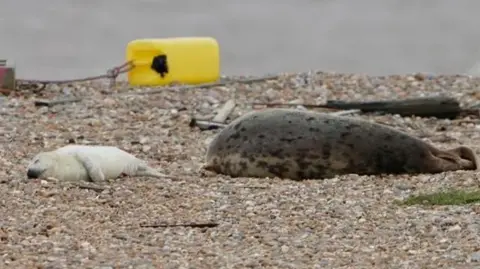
(88, 163)
(290, 143)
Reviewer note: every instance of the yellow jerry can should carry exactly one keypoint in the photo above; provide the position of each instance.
(188, 60)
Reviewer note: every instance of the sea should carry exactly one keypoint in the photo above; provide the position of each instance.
(66, 39)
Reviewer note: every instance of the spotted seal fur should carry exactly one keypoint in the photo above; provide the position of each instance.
(294, 144)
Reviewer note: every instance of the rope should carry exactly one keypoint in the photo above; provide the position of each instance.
(111, 74)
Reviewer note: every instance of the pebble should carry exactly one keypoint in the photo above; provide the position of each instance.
(143, 265)
(271, 94)
(297, 102)
(403, 187)
(109, 102)
(455, 228)
(143, 140)
(475, 257)
(347, 218)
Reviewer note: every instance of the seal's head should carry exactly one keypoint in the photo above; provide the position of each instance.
(41, 165)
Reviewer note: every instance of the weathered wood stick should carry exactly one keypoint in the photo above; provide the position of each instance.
(345, 112)
(224, 111)
(191, 225)
(43, 102)
(440, 107)
(290, 105)
(206, 125)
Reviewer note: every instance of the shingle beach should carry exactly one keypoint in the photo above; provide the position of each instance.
(344, 222)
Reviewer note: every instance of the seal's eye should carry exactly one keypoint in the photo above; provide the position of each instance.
(36, 161)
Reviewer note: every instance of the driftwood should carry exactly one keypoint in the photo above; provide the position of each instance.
(43, 102)
(218, 120)
(206, 125)
(440, 107)
(224, 111)
(191, 225)
(345, 112)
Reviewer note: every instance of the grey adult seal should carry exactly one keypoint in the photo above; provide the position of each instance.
(294, 144)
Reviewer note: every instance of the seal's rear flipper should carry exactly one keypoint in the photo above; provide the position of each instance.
(468, 159)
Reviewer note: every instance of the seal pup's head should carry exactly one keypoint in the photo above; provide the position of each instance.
(42, 165)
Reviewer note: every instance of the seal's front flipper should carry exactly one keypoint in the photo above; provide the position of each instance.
(207, 170)
(93, 170)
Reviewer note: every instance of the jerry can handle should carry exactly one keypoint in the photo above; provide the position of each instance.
(159, 64)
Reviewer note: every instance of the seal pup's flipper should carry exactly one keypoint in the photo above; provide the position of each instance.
(146, 171)
(93, 170)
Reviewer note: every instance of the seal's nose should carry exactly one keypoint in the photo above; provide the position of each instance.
(32, 173)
